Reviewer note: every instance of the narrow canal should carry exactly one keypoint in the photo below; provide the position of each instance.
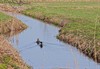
(54, 54)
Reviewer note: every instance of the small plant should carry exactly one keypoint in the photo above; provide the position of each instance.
(3, 66)
(15, 66)
(6, 59)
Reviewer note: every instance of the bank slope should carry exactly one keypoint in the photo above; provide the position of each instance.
(9, 57)
(9, 24)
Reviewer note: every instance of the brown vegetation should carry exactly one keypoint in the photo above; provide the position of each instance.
(6, 50)
(83, 44)
(10, 58)
(11, 25)
(9, 8)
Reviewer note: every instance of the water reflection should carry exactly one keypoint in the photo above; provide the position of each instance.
(13, 36)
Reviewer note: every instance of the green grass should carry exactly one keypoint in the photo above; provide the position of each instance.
(7, 61)
(3, 66)
(4, 17)
(68, 10)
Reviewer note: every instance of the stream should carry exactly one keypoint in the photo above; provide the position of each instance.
(55, 54)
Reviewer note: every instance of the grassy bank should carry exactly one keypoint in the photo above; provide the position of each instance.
(80, 22)
(9, 57)
(9, 24)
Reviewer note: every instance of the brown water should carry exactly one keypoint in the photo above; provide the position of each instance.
(54, 55)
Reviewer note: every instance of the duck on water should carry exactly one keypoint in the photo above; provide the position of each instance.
(40, 43)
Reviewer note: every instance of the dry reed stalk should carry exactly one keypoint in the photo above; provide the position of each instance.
(75, 60)
(95, 50)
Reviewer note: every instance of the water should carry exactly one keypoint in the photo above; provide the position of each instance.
(54, 55)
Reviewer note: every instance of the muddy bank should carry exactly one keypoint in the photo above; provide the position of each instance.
(9, 57)
(84, 45)
(11, 25)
